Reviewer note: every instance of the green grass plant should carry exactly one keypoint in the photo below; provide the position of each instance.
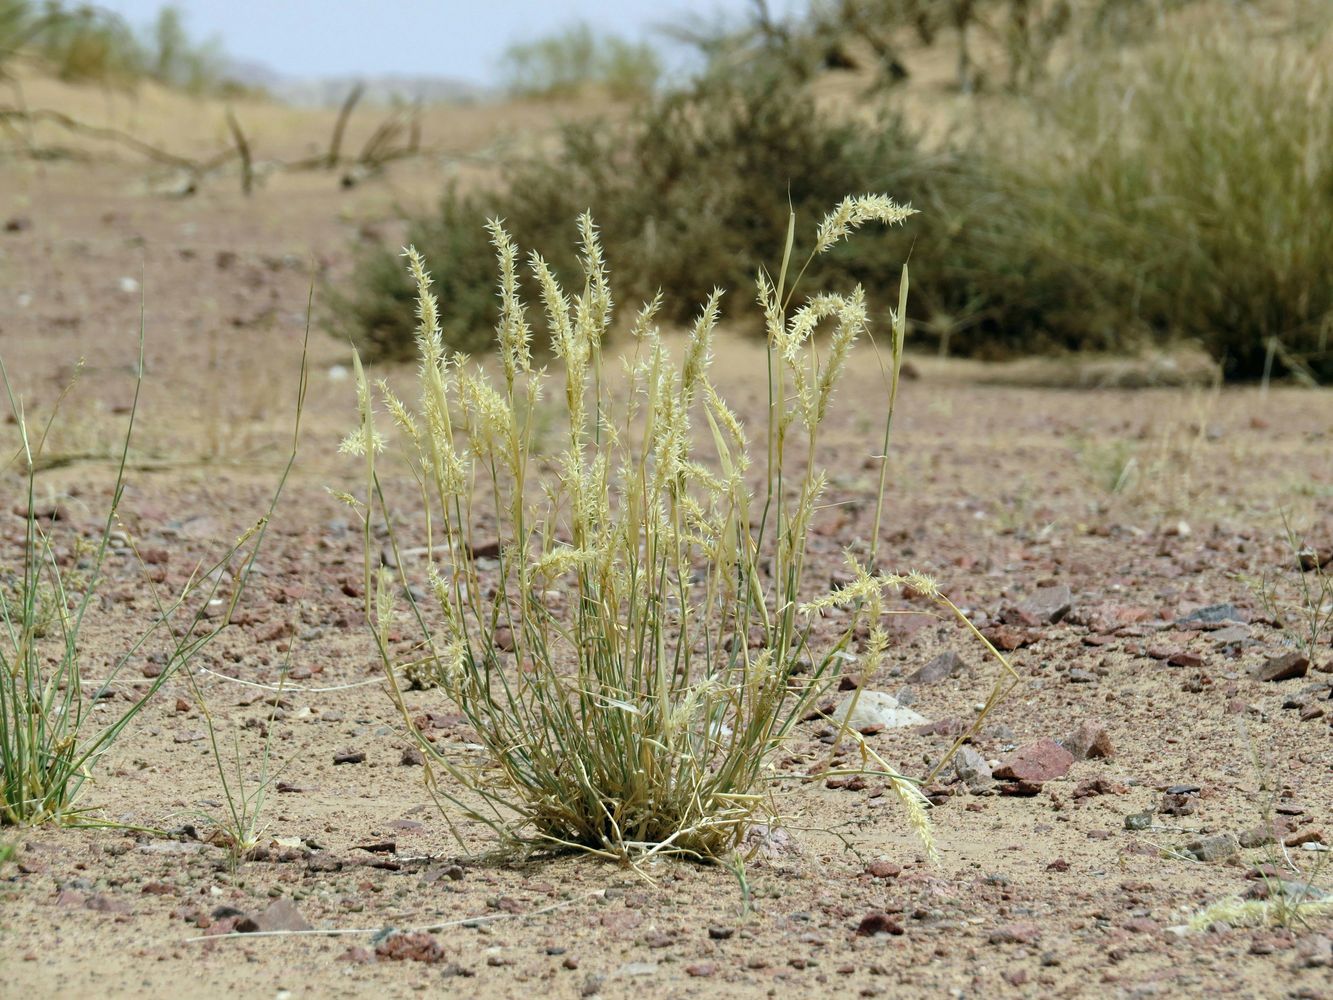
(240, 828)
(1299, 599)
(649, 634)
(55, 726)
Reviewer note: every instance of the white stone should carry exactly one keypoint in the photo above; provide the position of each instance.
(875, 708)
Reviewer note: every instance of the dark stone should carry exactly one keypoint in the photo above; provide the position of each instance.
(1287, 667)
(942, 667)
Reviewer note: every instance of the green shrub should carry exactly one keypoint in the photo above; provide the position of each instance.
(373, 308)
(86, 43)
(700, 185)
(561, 64)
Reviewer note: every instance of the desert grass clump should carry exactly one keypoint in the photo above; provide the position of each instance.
(1299, 599)
(644, 635)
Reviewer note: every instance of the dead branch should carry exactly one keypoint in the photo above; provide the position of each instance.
(242, 148)
(32, 117)
(344, 112)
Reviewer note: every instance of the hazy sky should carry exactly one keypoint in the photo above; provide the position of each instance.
(454, 38)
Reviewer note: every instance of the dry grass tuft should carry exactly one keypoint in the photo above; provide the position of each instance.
(645, 636)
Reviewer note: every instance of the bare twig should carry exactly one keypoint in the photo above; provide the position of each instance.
(243, 149)
(32, 117)
(339, 126)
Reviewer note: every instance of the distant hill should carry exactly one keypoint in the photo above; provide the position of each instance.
(329, 91)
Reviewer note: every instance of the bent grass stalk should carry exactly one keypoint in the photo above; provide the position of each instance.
(628, 710)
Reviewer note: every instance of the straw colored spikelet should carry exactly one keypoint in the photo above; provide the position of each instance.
(429, 339)
(512, 333)
(561, 560)
(365, 440)
(914, 802)
(595, 305)
(856, 211)
(563, 343)
(699, 354)
(1281, 912)
(851, 324)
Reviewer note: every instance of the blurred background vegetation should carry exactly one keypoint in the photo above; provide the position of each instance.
(1113, 176)
(84, 42)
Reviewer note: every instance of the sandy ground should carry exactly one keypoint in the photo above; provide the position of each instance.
(1000, 491)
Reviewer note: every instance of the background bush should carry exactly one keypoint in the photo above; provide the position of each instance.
(87, 43)
(699, 187)
(1163, 187)
(1180, 192)
(563, 63)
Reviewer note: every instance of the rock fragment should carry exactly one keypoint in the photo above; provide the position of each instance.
(1287, 667)
(1044, 760)
(942, 667)
(1089, 741)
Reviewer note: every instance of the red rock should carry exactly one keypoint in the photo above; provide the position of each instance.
(1041, 761)
(1304, 837)
(621, 921)
(417, 946)
(281, 630)
(1016, 934)
(946, 665)
(1184, 659)
(1024, 789)
(1047, 605)
(1142, 925)
(1283, 668)
(948, 726)
(1089, 741)
(281, 915)
(701, 970)
(878, 923)
(1089, 787)
(883, 868)
(101, 903)
(1009, 638)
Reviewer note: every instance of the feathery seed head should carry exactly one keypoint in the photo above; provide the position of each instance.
(855, 211)
(512, 333)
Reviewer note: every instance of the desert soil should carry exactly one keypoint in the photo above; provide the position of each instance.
(1004, 493)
